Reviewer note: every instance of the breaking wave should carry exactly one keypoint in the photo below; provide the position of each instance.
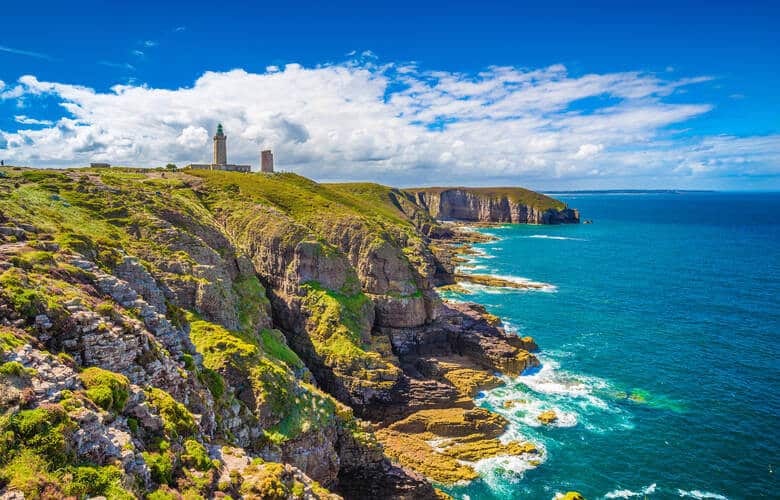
(548, 237)
(700, 494)
(649, 490)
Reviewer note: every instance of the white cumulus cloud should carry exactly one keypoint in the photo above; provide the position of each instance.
(398, 124)
(587, 151)
(193, 137)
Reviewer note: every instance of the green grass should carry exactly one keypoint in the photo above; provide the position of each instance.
(337, 325)
(252, 302)
(16, 369)
(36, 458)
(275, 345)
(221, 347)
(104, 214)
(9, 340)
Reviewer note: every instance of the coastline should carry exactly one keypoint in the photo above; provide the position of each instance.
(498, 446)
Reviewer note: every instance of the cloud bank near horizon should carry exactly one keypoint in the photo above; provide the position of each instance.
(399, 124)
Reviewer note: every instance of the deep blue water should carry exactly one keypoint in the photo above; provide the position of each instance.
(659, 348)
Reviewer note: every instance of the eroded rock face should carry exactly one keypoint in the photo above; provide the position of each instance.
(464, 329)
(483, 206)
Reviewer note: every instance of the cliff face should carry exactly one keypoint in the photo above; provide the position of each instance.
(514, 205)
(214, 333)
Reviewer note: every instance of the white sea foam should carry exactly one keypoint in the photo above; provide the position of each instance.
(528, 411)
(510, 328)
(515, 463)
(473, 287)
(700, 494)
(474, 267)
(548, 380)
(576, 400)
(548, 237)
(649, 490)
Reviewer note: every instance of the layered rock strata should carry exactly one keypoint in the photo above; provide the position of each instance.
(513, 205)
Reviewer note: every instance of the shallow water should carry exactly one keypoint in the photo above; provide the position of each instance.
(659, 337)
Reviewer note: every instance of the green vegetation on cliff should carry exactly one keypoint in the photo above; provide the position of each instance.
(36, 458)
(106, 389)
(170, 313)
(340, 332)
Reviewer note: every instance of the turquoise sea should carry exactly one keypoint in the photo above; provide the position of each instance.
(660, 348)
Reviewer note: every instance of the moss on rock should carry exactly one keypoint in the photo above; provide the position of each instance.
(177, 419)
(106, 389)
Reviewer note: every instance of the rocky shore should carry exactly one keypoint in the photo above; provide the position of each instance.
(211, 334)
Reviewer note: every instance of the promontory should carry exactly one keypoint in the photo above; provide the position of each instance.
(208, 334)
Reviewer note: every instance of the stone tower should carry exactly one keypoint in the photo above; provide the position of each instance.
(266, 161)
(220, 147)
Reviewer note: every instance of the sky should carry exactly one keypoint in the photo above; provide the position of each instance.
(548, 95)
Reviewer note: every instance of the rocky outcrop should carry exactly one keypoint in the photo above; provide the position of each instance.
(513, 205)
(259, 312)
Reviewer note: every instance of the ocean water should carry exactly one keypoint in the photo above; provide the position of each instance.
(659, 335)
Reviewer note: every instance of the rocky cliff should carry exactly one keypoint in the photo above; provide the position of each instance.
(209, 334)
(515, 205)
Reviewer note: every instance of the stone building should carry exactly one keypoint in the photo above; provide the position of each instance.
(266, 161)
(220, 147)
(220, 156)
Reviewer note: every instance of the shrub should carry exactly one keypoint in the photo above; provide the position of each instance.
(196, 456)
(41, 431)
(14, 368)
(88, 481)
(161, 467)
(162, 494)
(189, 361)
(106, 389)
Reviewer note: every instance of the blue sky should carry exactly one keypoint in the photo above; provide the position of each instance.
(401, 92)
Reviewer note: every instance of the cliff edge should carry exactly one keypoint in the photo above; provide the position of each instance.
(500, 204)
(205, 334)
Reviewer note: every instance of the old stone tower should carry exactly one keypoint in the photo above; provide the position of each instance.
(266, 161)
(220, 147)
(220, 156)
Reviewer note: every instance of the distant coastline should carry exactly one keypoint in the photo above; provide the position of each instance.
(629, 191)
